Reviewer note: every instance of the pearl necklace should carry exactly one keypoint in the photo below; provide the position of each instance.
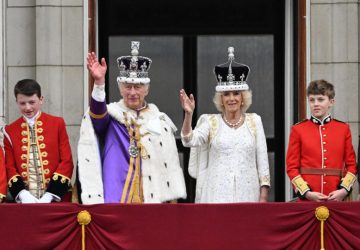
(233, 125)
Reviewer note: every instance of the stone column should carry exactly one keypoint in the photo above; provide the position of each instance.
(44, 41)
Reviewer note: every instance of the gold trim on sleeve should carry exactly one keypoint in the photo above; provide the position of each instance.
(348, 181)
(96, 116)
(56, 177)
(13, 179)
(300, 184)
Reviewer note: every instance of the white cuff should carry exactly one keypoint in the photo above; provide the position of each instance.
(187, 137)
(25, 196)
(48, 198)
(98, 93)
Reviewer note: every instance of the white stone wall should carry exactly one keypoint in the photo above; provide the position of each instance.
(44, 41)
(334, 36)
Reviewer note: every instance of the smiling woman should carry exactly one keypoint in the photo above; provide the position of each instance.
(229, 153)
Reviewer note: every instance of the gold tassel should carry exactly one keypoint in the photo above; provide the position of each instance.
(322, 213)
(84, 218)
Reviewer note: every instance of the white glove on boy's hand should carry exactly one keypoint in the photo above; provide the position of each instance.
(26, 197)
(46, 198)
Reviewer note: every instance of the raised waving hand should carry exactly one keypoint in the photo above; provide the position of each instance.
(187, 102)
(96, 69)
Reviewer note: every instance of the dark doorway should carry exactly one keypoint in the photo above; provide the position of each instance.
(185, 40)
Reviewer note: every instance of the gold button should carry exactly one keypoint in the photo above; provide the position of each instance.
(324, 135)
(324, 142)
(324, 182)
(325, 150)
(42, 145)
(44, 154)
(39, 123)
(23, 125)
(325, 158)
(40, 130)
(45, 163)
(24, 133)
(324, 166)
(24, 148)
(41, 138)
(23, 165)
(24, 140)
(23, 157)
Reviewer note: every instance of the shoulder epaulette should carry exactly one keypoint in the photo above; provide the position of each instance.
(301, 121)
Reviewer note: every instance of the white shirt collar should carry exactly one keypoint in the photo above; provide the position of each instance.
(31, 121)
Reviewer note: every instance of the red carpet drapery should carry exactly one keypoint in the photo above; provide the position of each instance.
(180, 226)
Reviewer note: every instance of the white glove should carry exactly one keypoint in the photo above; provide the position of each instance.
(26, 197)
(46, 198)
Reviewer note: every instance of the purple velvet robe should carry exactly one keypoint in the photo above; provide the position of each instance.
(115, 154)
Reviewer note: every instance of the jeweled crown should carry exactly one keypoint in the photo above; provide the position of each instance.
(134, 68)
(231, 75)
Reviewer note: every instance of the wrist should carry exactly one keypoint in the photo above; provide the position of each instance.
(307, 195)
(100, 81)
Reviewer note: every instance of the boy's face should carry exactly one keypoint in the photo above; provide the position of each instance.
(320, 105)
(29, 106)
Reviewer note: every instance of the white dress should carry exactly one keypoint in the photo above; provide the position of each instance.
(236, 160)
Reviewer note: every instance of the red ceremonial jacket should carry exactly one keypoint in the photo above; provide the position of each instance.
(316, 145)
(54, 150)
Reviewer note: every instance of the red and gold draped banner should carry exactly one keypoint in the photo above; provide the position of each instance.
(180, 226)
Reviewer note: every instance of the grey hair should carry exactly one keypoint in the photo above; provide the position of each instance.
(246, 101)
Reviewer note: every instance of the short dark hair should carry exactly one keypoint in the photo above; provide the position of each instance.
(321, 87)
(27, 87)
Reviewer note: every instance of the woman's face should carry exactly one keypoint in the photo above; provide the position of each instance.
(320, 105)
(232, 101)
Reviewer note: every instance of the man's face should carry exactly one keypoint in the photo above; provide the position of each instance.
(320, 105)
(29, 106)
(134, 94)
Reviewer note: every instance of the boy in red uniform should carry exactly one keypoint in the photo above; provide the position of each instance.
(321, 161)
(38, 156)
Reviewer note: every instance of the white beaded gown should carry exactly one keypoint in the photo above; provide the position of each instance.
(237, 160)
